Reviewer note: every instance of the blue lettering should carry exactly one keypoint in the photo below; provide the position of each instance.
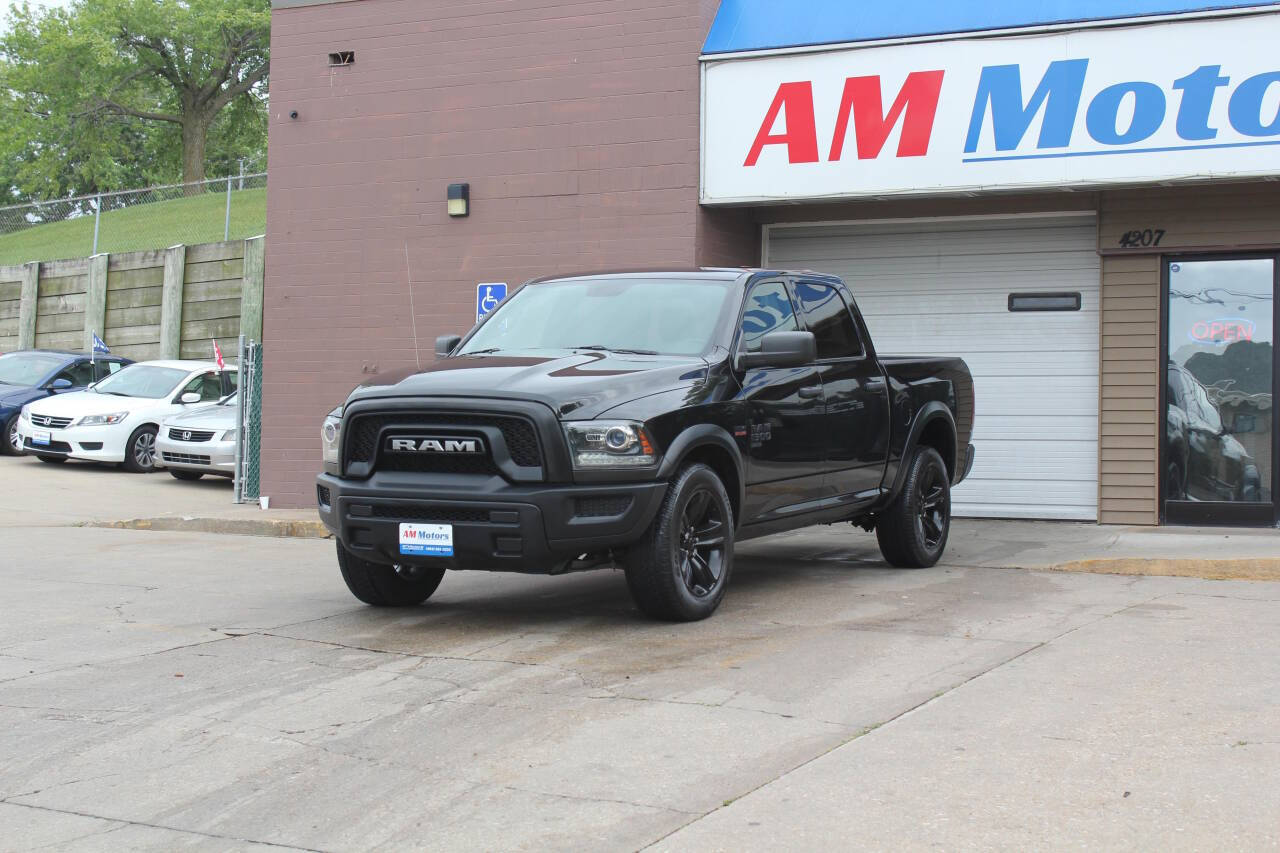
(1103, 114)
(1198, 90)
(1245, 109)
(1058, 95)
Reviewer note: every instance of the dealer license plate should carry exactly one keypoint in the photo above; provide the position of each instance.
(42, 437)
(430, 540)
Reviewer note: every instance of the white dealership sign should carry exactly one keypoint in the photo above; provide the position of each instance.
(1169, 101)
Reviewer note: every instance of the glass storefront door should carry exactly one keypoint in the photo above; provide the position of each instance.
(1220, 436)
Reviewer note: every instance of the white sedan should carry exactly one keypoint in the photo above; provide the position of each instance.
(117, 419)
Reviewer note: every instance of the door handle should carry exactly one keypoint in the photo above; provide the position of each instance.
(811, 392)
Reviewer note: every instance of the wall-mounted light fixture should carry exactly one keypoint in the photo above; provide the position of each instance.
(459, 199)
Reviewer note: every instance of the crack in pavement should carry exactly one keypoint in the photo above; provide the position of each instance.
(127, 822)
(900, 715)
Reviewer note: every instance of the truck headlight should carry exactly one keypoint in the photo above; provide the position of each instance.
(610, 444)
(331, 436)
(102, 420)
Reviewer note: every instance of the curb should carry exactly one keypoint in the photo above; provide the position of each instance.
(272, 527)
(1255, 569)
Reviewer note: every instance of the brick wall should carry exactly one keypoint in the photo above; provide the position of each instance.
(574, 121)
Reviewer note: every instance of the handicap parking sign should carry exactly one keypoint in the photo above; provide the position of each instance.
(488, 296)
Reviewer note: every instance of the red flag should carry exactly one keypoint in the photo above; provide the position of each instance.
(217, 352)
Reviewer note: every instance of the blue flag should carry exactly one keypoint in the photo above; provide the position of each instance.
(99, 345)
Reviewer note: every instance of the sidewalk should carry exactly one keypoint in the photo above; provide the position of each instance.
(36, 494)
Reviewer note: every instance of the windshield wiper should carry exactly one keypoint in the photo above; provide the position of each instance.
(488, 351)
(603, 348)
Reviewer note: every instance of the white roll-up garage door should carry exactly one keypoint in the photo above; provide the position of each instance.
(942, 288)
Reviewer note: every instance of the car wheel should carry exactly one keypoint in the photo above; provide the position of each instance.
(913, 531)
(52, 460)
(680, 569)
(387, 586)
(140, 451)
(12, 441)
(189, 476)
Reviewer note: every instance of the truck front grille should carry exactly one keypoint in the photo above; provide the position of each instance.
(518, 434)
(428, 513)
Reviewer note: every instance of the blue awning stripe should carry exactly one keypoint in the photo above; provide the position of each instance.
(771, 24)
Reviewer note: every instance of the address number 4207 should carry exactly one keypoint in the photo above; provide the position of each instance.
(1148, 237)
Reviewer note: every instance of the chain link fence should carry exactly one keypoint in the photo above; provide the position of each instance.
(230, 208)
(248, 482)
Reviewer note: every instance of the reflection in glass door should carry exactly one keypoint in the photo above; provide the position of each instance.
(1220, 435)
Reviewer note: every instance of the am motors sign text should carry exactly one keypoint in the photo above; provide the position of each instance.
(1160, 102)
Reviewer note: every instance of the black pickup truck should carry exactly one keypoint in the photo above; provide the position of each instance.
(643, 420)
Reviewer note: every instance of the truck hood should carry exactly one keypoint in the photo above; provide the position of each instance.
(578, 386)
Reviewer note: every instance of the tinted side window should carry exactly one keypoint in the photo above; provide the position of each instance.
(768, 309)
(208, 386)
(79, 375)
(829, 318)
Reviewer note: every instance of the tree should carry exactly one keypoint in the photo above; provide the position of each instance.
(108, 93)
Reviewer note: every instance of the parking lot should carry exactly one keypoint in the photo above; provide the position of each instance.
(171, 690)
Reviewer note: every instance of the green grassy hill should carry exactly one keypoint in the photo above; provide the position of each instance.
(200, 219)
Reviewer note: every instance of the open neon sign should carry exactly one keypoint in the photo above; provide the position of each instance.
(1221, 332)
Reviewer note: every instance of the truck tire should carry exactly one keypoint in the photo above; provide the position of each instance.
(382, 586)
(913, 531)
(680, 569)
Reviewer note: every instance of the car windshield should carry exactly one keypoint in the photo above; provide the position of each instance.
(636, 315)
(143, 380)
(27, 368)
(229, 400)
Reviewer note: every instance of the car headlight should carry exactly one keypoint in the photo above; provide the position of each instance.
(230, 435)
(102, 420)
(24, 415)
(331, 436)
(610, 444)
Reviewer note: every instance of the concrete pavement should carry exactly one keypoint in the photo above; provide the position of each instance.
(181, 690)
(186, 691)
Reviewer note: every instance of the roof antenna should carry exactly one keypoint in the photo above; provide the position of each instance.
(413, 317)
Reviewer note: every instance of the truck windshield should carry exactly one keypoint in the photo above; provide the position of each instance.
(639, 315)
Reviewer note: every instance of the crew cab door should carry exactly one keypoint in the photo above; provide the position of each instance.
(786, 455)
(856, 396)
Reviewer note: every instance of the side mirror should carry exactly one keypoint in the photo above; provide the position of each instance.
(60, 385)
(782, 349)
(188, 398)
(446, 344)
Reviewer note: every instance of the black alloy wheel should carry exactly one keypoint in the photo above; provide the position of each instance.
(700, 546)
(681, 567)
(913, 530)
(933, 510)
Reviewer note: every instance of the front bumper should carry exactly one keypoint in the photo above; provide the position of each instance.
(207, 457)
(497, 526)
(92, 444)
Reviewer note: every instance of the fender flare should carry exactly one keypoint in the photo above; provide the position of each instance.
(703, 435)
(929, 412)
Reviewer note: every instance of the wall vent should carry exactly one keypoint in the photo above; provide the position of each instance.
(342, 57)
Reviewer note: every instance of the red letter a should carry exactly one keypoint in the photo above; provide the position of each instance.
(801, 136)
(918, 98)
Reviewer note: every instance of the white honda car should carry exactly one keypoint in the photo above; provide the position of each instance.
(117, 419)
